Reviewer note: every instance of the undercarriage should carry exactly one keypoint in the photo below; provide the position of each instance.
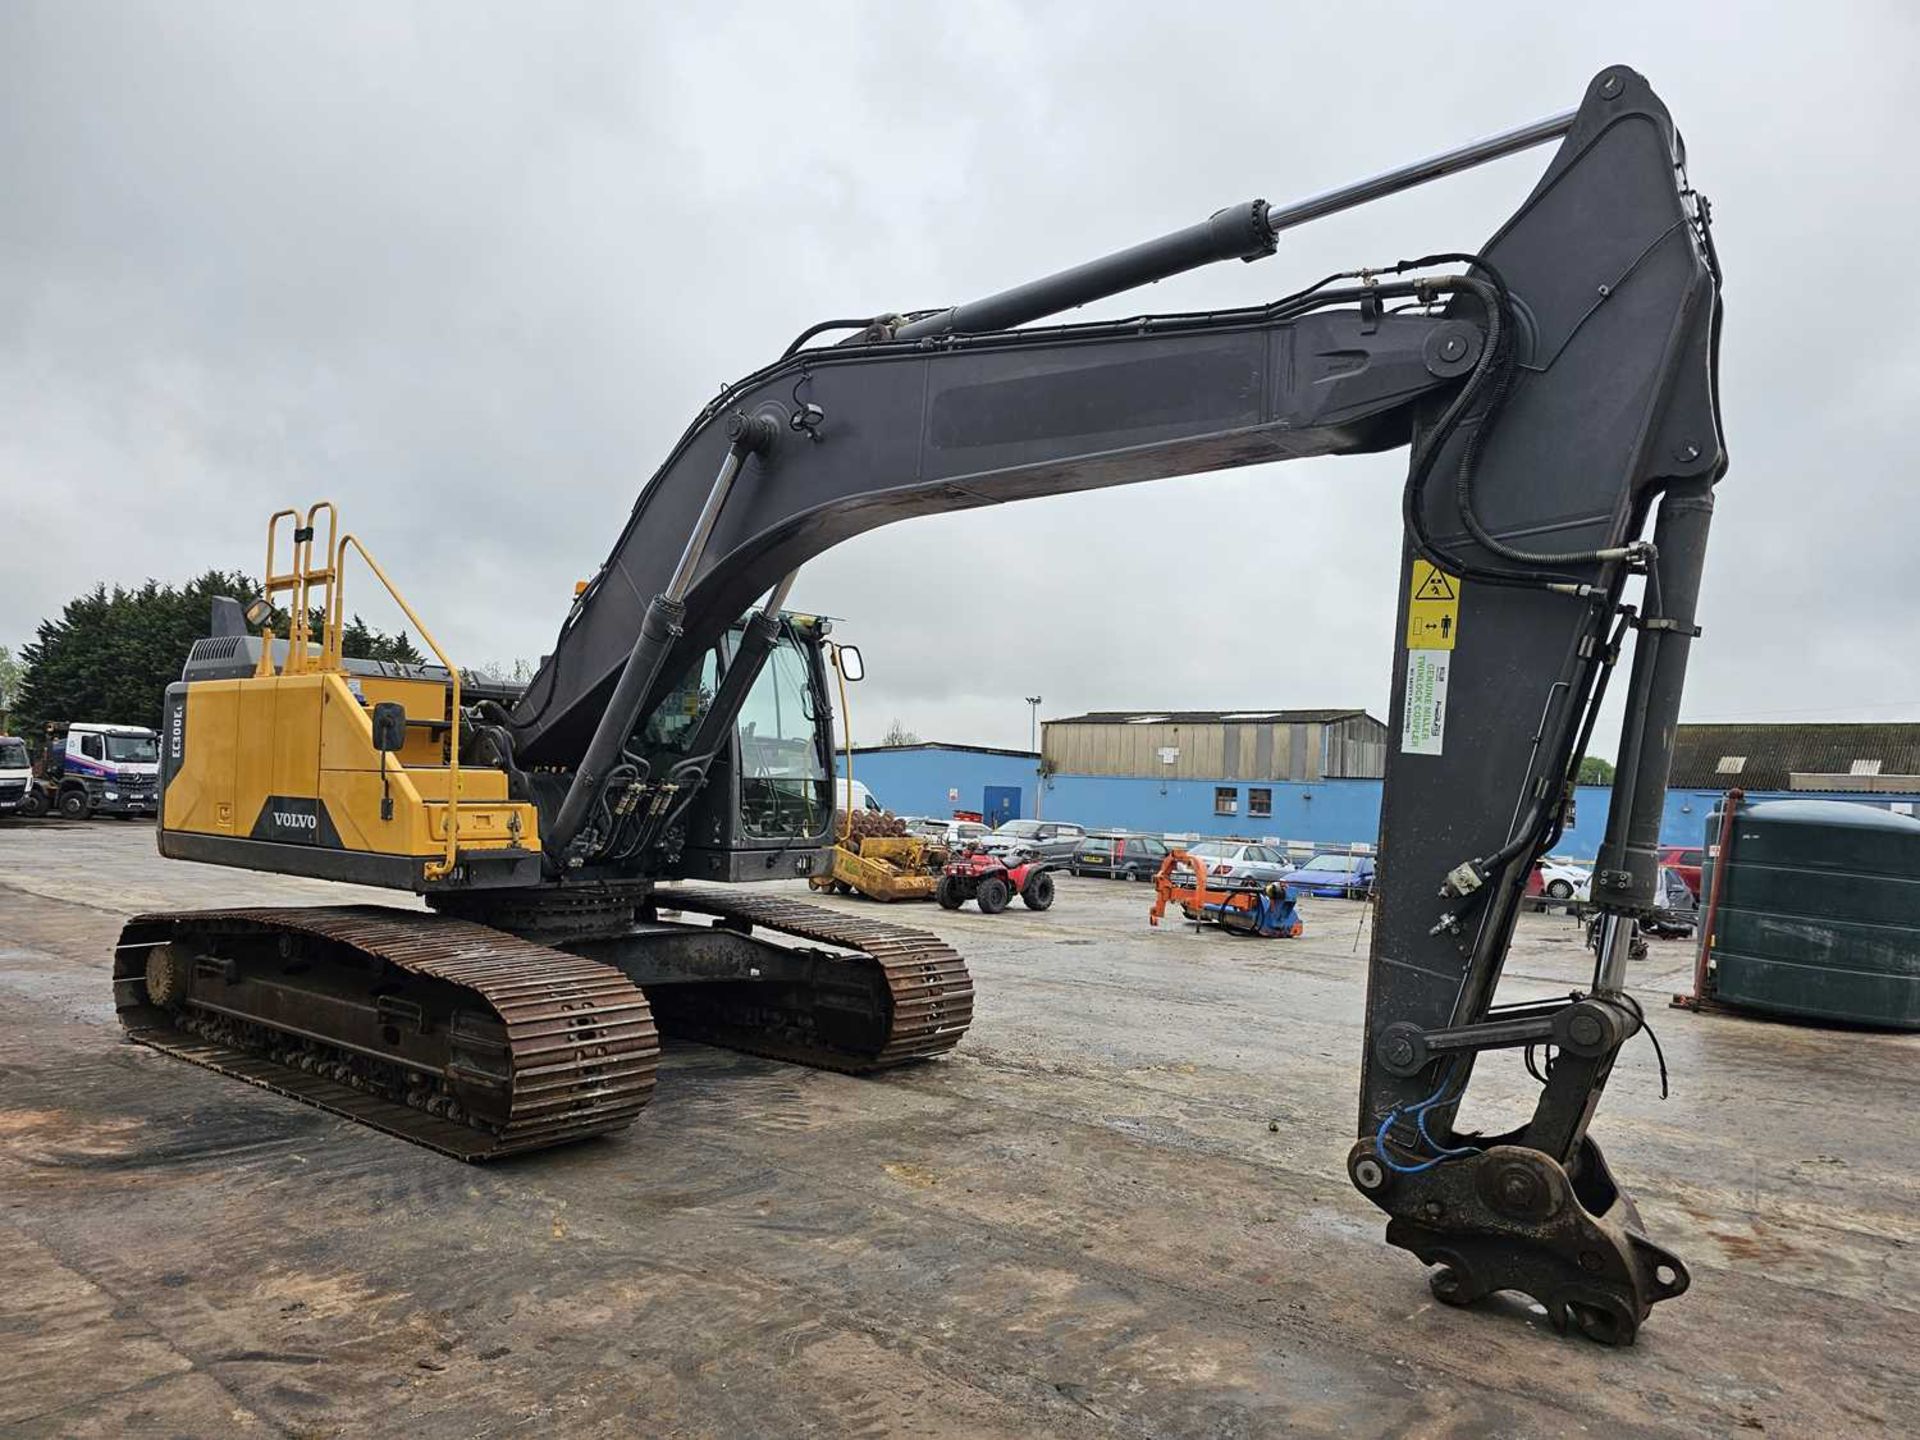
(481, 1042)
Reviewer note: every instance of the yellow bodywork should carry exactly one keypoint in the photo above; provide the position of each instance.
(309, 736)
(885, 867)
(303, 733)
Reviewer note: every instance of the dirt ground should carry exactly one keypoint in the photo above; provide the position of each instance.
(1117, 1209)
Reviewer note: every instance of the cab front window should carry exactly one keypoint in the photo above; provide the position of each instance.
(784, 787)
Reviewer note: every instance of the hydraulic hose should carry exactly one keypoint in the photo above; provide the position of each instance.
(1496, 298)
(1418, 473)
(820, 329)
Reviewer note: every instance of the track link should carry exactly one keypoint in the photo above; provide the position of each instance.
(546, 1047)
(928, 993)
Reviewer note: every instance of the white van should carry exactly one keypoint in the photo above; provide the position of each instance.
(862, 798)
(16, 773)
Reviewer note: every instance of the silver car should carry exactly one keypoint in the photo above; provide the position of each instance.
(1236, 862)
(954, 834)
(1054, 841)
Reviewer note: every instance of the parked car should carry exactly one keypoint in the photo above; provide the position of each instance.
(1685, 861)
(1678, 909)
(1119, 856)
(954, 834)
(1239, 862)
(1343, 876)
(1561, 881)
(1054, 841)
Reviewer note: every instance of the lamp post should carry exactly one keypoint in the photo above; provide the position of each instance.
(1033, 743)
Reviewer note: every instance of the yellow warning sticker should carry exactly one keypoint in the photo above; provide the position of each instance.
(1433, 608)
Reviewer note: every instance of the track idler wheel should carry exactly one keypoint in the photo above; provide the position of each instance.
(167, 967)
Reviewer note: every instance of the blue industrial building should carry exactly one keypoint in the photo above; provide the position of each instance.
(1865, 764)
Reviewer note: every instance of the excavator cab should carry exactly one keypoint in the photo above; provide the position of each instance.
(766, 807)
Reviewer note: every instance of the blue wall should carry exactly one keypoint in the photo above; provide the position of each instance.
(1332, 812)
(915, 782)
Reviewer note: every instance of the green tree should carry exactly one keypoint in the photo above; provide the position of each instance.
(362, 641)
(10, 673)
(110, 654)
(1594, 771)
(515, 672)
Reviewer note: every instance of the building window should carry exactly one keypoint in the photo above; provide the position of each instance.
(1226, 800)
(1259, 802)
(1731, 764)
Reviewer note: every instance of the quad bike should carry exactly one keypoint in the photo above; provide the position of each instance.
(992, 882)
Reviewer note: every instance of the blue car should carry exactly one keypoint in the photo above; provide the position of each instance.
(1346, 877)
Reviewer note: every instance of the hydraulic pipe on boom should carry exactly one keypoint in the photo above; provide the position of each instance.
(1239, 232)
(658, 631)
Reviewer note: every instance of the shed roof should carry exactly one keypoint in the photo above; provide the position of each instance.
(940, 745)
(1767, 757)
(1210, 717)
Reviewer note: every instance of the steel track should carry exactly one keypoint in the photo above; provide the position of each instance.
(928, 990)
(582, 1047)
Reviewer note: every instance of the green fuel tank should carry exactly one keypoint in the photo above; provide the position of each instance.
(1818, 916)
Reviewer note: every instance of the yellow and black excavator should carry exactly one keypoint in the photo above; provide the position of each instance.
(1556, 389)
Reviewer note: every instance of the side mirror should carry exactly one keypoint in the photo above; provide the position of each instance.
(852, 667)
(389, 726)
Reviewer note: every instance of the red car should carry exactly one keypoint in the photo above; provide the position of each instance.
(1686, 859)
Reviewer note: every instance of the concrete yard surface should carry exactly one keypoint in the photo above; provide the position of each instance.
(1118, 1208)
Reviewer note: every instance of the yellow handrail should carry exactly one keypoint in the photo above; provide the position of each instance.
(272, 584)
(309, 574)
(435, 870)
(297, 583)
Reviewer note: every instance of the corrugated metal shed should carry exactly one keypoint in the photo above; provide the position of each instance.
(1794, 757)
(1271, 744)
(942, 746)
(1204, 717)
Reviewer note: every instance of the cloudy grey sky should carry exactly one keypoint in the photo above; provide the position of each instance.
(470, 269)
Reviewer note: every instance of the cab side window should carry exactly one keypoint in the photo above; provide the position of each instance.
(93, 747)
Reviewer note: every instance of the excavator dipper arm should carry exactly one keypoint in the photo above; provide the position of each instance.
(1558, 399)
